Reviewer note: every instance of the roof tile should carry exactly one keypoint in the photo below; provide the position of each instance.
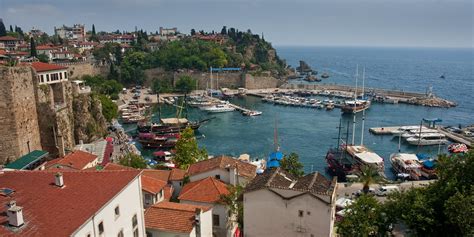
(221, 162)
(208, 190)
(172, 217)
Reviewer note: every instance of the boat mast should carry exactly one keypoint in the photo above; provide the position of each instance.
(363, 111)
(339, 133)
(355, 104)
(211, 81)
(275, 137)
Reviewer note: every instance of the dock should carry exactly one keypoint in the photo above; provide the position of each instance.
(384, 130)
(236, 107)
(456, 137)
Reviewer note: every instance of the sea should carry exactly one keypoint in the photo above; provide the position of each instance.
(311, 132)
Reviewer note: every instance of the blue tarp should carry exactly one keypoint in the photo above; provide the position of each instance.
(423, 156)
(274, 159)
(429, 164)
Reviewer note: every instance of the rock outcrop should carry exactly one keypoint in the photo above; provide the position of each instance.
(89, 123)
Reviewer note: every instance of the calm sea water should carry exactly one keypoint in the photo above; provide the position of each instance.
(311, 132)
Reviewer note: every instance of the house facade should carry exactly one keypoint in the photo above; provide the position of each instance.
(167, 219)
(224, 168)
(71, 203)
(50, 73)
(9, 43)
(279, 204)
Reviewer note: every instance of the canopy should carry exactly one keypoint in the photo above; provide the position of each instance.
(174, 121)
(369, 157)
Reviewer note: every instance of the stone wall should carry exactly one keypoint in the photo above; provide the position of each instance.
(261, 82)
(79, 69)
(89, 123)
(19, 129)
(219, 80)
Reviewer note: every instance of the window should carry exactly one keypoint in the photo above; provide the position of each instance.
(60, 76)
(42, 78)
(47, 77)
(117, 211)
(300, 213)
(218, 176)
(215, 220)
(308, 213)
(88, 235)
(120, 234)
(135, 233)
(65, 75)
(101, 228)
(134, 221)
(148, 234)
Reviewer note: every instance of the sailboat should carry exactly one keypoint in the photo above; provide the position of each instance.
(360, 154)
(357, 105)
(338, 162)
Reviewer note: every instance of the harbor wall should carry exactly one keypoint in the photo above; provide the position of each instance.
(19, 128)
(231, 80)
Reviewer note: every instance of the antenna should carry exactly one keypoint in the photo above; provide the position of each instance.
(275, 136)
(363, 112)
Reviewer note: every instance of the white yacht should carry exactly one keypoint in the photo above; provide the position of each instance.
(416, 132)
(219, 108)
(404, 129)
(427, 139)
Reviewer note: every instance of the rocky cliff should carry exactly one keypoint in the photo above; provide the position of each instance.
(89, 123)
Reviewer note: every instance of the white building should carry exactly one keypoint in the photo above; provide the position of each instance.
(50, 73)
(278, 204)
(76, 160)
(224, 168)
(207, 192)
(168, 219)
(71, 203)
(75, 32)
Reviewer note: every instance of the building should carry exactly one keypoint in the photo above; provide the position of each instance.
(208, 192)
(9, 43)
(50, 73)
(227, 169)
(278, 204)
(47, 50)
(77, 32)
(120, 39)
(153, 190)
(86, 203)
(168, 31)
(178, 220)
(31, 161)
(76, 160)
(85, 46)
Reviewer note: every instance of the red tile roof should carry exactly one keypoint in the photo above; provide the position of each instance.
(8, 38)
(75, 160)
(172, 217)
(43, 67)
(221, 162)
(45, 47)
(177, 174)
(113, 166)
(168, 192)
(162, 175)
(208, 190)
(52, 211)
(152, 185)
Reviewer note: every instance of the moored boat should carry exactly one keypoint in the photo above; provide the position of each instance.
(406, 165)
(427, 139)
(220, 108)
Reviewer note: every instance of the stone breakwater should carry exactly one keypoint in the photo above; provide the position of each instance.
(382, 95)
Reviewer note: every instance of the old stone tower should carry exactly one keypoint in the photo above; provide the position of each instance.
(18, 115)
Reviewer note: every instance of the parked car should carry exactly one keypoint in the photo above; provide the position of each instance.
(360, 192)
(385, 190)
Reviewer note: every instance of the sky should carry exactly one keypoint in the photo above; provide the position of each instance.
(397, 23)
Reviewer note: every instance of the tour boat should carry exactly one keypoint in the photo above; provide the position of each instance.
(427, 139)
(415, 132)
(406, 165)
(220, 108)
(363, 156)
(355, 106)
(252, 113)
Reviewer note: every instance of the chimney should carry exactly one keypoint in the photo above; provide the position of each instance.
(15, 214)
(234, 176)
(58, 179)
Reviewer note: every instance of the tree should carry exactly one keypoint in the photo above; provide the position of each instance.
(161, 86)
(11, 28)
(364, 217)
(133, 160)
(93, 34)
(292, 164)
(33, 52)
(186, 84)
(187, 150)
(109, 108)
(224, 30)
(43, 58)
(234, 204)
(368, 176)
(193, 32)
(132, 68)
(3, 31)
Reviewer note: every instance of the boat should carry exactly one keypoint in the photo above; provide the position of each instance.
(325, 75)
(339, 164)
(330, 106)
(220, 108)
(364, 156)
(132, 118)
(169, 125)
(355, 106)
(458, 148)
(403, 129)
(414, 132)
(427, 139)
(406, 165)
(252, 113)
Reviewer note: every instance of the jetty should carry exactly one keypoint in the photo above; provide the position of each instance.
(241, 109)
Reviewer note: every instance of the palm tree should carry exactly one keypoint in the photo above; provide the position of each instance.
(369, 175)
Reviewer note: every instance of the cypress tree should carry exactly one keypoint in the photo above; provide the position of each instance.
(3, 31)
(11, 28)
(93, 30)
(33, 52)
